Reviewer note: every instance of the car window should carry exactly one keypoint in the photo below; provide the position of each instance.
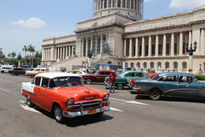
(140, 75)
(44, 82)
(186, 79)
(66, 82)
(130, 74)
(37, 81)
(101, 73)
(107, 73)
(170, 78)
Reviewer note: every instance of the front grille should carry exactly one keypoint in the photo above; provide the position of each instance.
(87, 105)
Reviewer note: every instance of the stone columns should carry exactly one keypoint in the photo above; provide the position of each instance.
(157, 46)
(172, 44)
(190, 37)
(202, 41)
(101, 45)
(181, 43)
(136, 48)
(125, 47)
(130, 49)
(164, 45)
(143, 46)
(150, 46)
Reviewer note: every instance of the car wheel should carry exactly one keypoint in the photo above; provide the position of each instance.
(58, 114)
(28, 101)
(119, 86)
(88, 81)
(155, 94)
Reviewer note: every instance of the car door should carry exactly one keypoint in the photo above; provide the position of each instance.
(100, 76)
(187, 87)
(170, 85)
(44, 94)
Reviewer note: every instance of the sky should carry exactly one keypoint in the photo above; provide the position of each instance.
(25, 22)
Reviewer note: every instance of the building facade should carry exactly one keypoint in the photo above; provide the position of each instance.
(117, 31)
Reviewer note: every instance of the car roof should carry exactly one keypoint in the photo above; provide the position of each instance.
(106, 70)
(176, 73)
(52, 75)
(133, 71)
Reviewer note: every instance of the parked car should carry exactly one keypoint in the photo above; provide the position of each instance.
(18, 71)
(123, 79)
(148, 76)
(6, 68)
(35, 71)
(77, 72)
(171, 84)
(99, 76)
(64, 95)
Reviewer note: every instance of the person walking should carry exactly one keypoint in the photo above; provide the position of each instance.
(112, 82)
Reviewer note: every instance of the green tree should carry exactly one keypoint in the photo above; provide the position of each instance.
(25, 49)
(31, 49)
(13, 54)
(9, 55)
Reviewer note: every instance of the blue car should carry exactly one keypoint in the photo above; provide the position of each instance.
(171, 84)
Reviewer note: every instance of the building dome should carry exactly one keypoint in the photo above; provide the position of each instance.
(130, 8)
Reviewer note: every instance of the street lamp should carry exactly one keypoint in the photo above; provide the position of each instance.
(191, 51)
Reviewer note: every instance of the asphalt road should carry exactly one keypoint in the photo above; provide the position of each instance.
(130, 116)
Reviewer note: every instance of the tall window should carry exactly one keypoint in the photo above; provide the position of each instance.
(132, 65)
(136, 3)
(138, 65)
(133, 47)
(167, 65)
(140, 50)
(175, 65)
(146, 50)
(128, 3)
(101, 4)
(145, 64)
(132, 4)
(94, 43)
(114, 3)
(118, 3)
(84, 47)
(153, 50)
(109, 3)
(152, 65)
(89, 44)
(123, 4)
(184, 65)
(160, 49)
(98, 44)
(105, 4)
(175, 48)
(167, 49)
(184, 48)
(127, 47)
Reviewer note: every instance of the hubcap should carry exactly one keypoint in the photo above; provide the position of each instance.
(58, 114)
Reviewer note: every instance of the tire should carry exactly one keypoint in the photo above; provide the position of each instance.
(88, 81)
(119, 86)
(28, 101)
(155, 94)
(58, 114)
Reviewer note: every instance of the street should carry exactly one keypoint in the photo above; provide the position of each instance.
(130, 116)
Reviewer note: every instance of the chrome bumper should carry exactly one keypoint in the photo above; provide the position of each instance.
(82, 113)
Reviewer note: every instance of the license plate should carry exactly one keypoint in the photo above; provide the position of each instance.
(92, 111)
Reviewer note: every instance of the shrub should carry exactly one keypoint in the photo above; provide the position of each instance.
(200, 77)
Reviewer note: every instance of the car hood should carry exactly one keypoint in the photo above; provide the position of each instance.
(81, 93)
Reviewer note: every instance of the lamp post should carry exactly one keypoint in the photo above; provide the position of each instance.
(191, 51)
(123, 63)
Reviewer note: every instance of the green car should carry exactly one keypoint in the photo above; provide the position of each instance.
(123, 79)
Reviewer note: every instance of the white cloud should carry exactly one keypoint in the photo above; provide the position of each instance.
(186, 3)
(33, 23)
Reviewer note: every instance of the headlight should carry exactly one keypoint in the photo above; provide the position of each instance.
(106, 97)
(70, 101)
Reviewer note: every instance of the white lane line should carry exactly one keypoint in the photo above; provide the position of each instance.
(130, 102)
(21, 101)
(115, 109)
(29, 109)
(4, 90)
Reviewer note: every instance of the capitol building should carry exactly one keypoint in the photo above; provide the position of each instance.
(117, 35)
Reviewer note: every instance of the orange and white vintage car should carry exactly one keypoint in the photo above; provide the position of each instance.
(64, 95)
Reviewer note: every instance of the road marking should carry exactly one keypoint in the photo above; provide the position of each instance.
(130, 102)
(4, 90)
(115, 109)
(29, 109)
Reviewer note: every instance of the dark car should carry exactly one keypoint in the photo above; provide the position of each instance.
(18, 71)
(99, 76)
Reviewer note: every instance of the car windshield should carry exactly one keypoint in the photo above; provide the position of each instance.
(66, 82)
(156, 77)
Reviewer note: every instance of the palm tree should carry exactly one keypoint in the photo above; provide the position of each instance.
(25, 49)
(9, 55)
(31, 49)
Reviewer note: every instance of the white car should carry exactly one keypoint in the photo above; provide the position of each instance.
(35, 71)
(6, 68)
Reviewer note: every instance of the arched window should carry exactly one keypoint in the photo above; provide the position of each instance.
(138, 65)
(145, 64)
(132, 65)
(159, 65)
(167, 65)
(184, 65)
(175, 65)
(126, 64)
(152, 65)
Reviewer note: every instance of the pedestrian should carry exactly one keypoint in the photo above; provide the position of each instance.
(112, 82)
